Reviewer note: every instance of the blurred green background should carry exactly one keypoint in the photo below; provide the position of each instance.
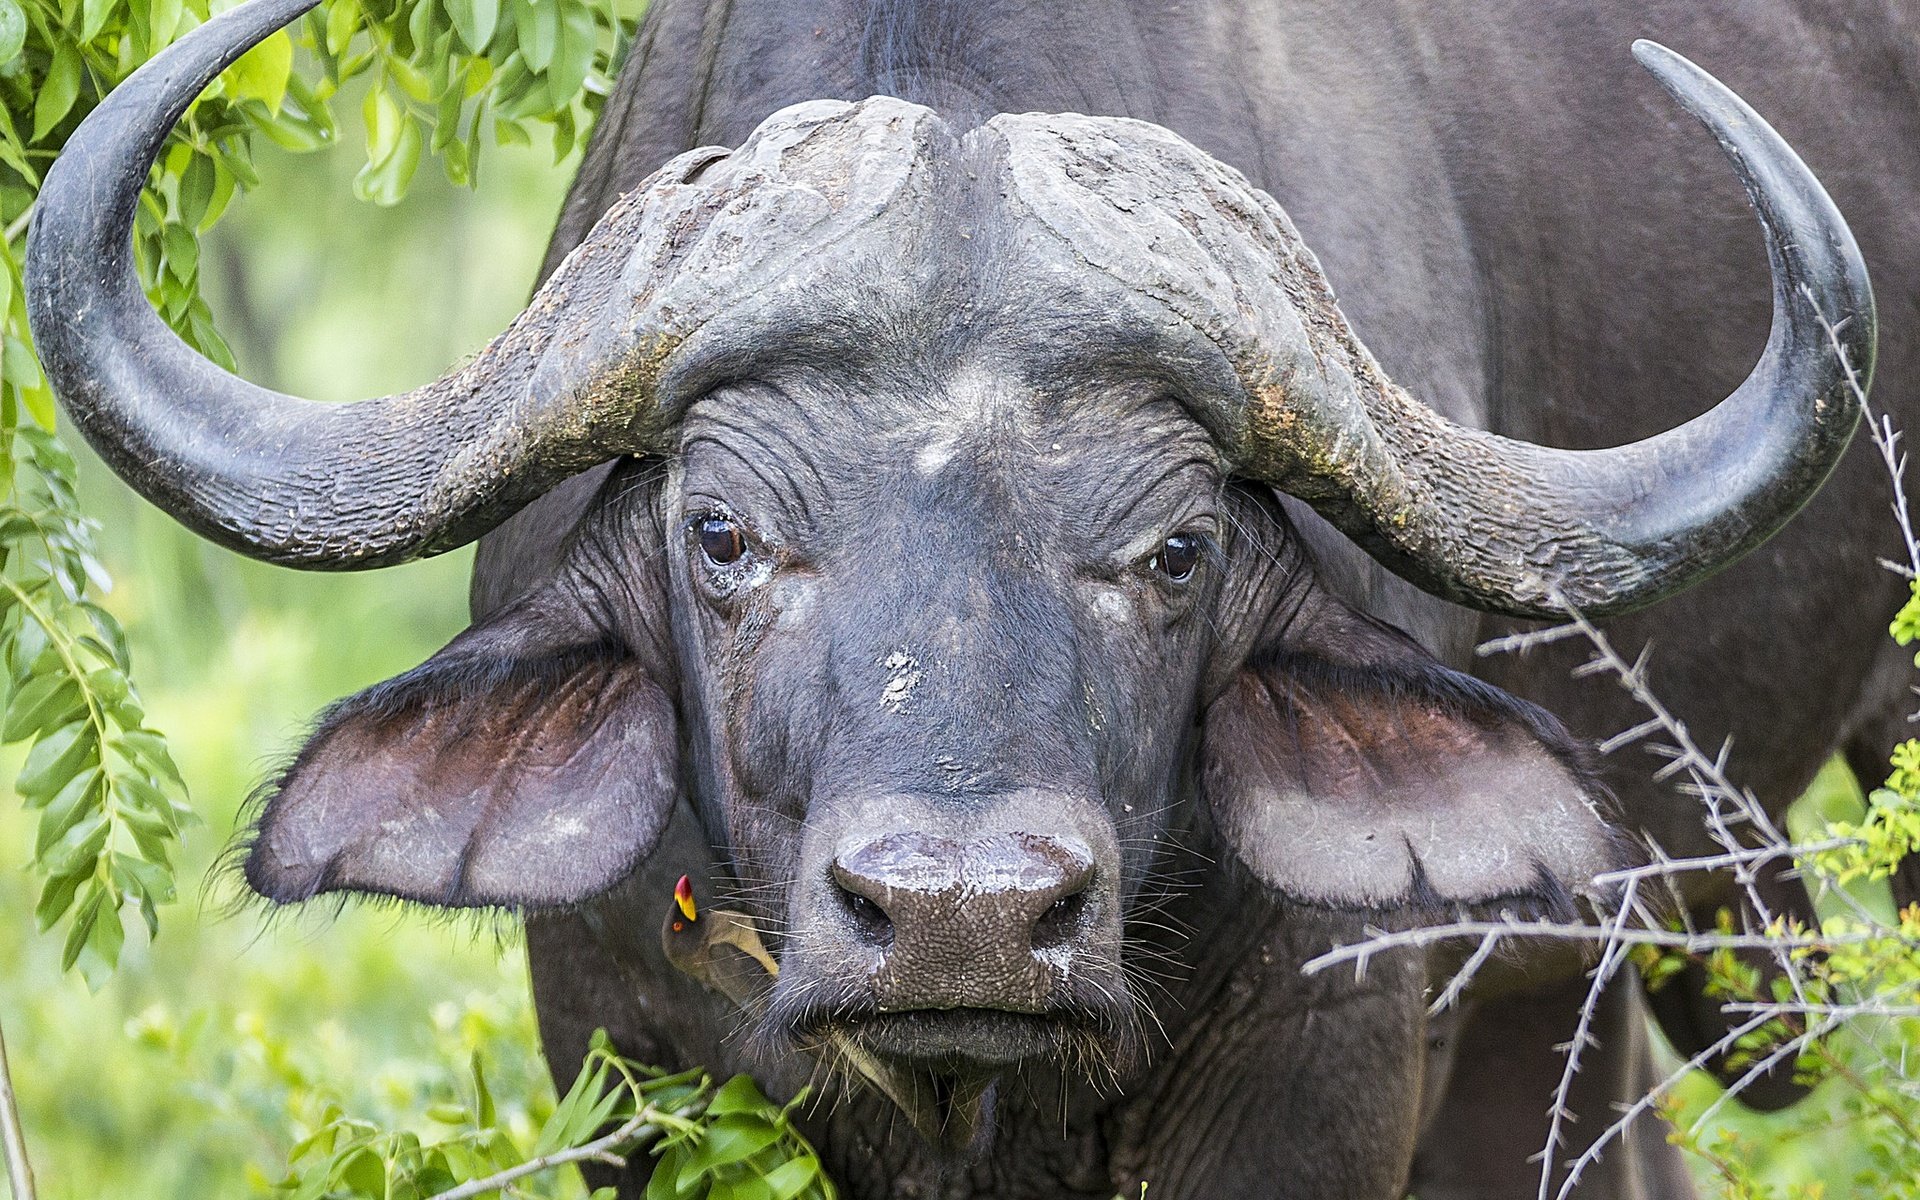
(191, 1073)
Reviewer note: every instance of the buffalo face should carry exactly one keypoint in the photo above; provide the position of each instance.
(947, 614)
(941, 574)
(943, 641)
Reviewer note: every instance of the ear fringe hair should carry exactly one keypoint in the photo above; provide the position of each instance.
(444, 681)
(1421, 680)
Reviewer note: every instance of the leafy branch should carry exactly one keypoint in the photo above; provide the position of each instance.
(725, 1143)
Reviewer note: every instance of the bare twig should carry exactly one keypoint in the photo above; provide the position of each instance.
(1715, 862)
(1569, 931)
(612, 1149)
(12, 1141)
(1886, 439)
(1648, 1099)
(19, 224)
(1788, 1049)
(1561, 1112)
(1464, 976)
(1843, 1011)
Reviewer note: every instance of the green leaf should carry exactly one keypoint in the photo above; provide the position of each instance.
(139, 794)
(152, 878)
(793, 1177)
(18, 366)
(100, 953)
(739, 1095)
(538, 23)
(412, 80)
(343, 20)
(148, 751)
(196, 192)
(68, 807)
(453, 159)
(365, 1172)
(665, 1182)
(262, 72)
(745, 1187)
(732, 1139)
(183, 252)
(509, 133)
(58, 92)
(163, 20)
(84, 919)
(13, 31)
(25, 639)
(109, 630)
(93, 18)
(384, 119)
(56, 897)
(473, 20)
(44, 702)
(79, 848)
(55, 759)
(384, 182)
(573, 53)
(223, 184)
(422, 24)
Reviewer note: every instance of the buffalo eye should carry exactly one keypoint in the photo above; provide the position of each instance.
(1177, 557)
(720, 540)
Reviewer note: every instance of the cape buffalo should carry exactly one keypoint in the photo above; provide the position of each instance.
(935, 501)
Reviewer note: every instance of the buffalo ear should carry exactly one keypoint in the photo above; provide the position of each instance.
(1348, 769)
(531, 763)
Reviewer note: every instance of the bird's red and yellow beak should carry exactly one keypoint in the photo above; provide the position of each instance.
(683, 896)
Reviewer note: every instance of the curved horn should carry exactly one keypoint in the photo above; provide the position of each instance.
(1512, 527)
(294, 481)
(1493, 523)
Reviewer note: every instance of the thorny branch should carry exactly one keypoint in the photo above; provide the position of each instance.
(1748, 839)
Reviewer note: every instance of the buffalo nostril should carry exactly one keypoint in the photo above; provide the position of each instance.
(1060, 921)
(868, 918)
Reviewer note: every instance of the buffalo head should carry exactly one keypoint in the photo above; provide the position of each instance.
(942, 568)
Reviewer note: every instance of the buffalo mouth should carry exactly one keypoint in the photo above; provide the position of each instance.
(940, 1066)
(962, 1041)
(969, 1042)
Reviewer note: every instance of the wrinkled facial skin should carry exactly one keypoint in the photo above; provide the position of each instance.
(943, 643)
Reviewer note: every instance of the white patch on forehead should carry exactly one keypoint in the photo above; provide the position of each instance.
(970, 402)
(935, 455)
(1113, 605)
(969, 405)
(975, 396)
(903, 675)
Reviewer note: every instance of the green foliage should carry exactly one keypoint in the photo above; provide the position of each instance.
(107, 792)
(435, 76)
(1849, 1025)
(729, 1143)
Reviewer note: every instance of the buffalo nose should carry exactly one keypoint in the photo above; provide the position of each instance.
(1002, 895)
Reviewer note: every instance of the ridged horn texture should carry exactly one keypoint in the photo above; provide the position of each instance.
(1493, 523)
(574, 381)
(585, 373)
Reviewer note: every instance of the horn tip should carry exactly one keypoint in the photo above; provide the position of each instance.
(1667, 65)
